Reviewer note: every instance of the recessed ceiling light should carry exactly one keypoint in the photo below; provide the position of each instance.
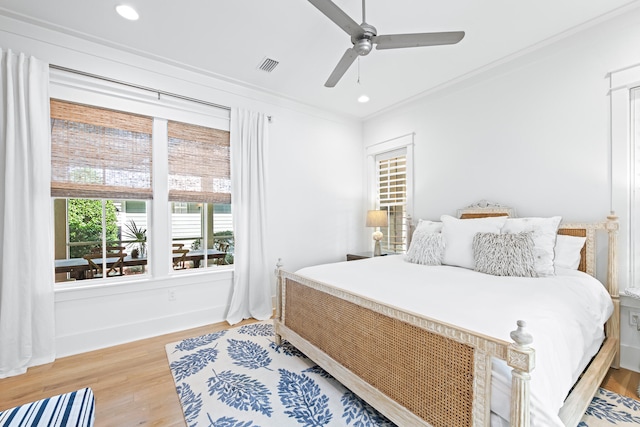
(127, 12)
(363, 99)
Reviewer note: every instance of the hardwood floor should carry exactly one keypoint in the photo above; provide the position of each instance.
(133, 385)
(623, 382)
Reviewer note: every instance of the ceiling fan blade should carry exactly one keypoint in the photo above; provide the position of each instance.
(345, 62)
(337, 15)
(395, 41)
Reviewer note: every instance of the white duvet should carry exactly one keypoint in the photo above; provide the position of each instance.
(565, 314)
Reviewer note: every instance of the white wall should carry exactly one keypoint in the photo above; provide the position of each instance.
(532, 133)
(315, 187)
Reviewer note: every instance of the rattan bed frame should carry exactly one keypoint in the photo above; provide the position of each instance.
(421, 372)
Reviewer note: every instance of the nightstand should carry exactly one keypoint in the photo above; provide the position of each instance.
(362, 255)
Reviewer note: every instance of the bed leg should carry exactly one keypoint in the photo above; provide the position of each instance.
(521, 358)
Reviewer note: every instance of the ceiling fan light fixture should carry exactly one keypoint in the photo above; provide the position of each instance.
(363, 46)
(363, 98)
(127, 12)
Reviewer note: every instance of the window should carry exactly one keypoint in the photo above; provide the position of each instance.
(390, 188)
(101, 178)
(132, 206)
(103, 191)
(200, 195)
(634, 123)
(624, 167)
(392, 197)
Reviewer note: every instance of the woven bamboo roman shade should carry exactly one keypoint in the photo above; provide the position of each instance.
(99, 153)
(199, 164)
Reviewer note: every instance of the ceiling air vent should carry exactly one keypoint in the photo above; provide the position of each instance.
(268, 65)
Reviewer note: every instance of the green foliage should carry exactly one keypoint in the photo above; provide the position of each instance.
(85, 224)
(137, 235)
(226, 237)
(228, 258)
(195, 245)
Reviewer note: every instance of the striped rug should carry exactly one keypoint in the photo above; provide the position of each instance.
(75, 409)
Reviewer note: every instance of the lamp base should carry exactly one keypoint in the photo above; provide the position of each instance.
(376, 249)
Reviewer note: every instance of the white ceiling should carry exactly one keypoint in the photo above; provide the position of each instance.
(230, 39)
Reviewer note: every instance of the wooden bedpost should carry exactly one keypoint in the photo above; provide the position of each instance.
(521, 358)
(613, 324)
(278, 272)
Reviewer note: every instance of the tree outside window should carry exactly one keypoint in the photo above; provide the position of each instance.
(85, 225)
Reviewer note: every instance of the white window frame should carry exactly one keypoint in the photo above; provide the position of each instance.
(625, 201)
(634, 119)
(401, 143)
(83, 89)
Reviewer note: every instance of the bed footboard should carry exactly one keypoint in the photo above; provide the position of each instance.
(414, 370)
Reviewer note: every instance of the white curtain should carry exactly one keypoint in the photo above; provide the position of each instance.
(251, 278)
(27, 331)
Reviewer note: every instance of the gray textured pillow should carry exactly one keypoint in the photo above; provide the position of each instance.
(505, 254)
(426, 248)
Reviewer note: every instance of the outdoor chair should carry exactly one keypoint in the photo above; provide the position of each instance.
(222, 247)
(179, 256)
(115, 268)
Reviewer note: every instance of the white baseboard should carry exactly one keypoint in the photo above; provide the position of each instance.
(630, 358)
(120, 334)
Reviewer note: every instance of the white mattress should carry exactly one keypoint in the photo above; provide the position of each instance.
(564, 313)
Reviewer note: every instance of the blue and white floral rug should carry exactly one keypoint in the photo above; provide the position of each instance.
(240, 378)
(611, 409)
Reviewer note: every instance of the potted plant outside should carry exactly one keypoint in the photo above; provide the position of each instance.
(137, 237)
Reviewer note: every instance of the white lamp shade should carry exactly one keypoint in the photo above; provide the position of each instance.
(377, 219)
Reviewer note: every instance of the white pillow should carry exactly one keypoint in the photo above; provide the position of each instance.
(567, 251)
(458, 237)
(544, 232)
(426, 248)
(429, 226)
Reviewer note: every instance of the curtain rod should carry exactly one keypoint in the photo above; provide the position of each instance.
(159, 92)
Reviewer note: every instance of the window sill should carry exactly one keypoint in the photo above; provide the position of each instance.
(67, 291)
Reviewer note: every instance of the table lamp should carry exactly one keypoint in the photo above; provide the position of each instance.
(377, 219)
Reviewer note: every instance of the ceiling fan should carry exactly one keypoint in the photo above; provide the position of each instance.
(364, 36)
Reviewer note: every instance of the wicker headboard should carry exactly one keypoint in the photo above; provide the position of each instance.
(484, 209)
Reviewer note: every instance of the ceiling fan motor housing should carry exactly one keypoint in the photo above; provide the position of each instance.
(362, 42)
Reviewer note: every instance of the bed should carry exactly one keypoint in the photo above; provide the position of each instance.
(380, 326)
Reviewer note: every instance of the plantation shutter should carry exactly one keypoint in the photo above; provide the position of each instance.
(392, 193)
(199, 164)
(99, 153)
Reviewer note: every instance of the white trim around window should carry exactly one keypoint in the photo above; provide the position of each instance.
(404, 142)
(399, 146)
(69, 86)
(623, 167)
(78, 88)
